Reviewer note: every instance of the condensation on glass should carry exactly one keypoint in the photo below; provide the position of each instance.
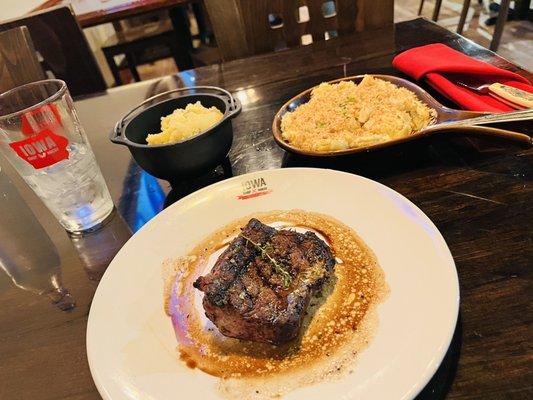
(42, 138)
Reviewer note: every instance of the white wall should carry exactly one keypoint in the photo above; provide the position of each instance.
(96, 36)
(15, 8)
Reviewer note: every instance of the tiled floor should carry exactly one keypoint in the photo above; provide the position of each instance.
(516, 44)
(517, 40)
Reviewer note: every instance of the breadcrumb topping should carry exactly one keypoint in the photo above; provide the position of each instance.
(345, 115)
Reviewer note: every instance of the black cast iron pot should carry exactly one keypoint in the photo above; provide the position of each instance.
(186, 159)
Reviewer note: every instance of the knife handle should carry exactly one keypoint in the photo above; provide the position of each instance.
(512, 94)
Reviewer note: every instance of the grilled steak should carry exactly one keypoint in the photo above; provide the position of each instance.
(260, 286)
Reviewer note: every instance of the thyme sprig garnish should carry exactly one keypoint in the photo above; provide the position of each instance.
(277, 266)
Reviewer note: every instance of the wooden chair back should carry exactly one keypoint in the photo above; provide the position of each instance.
(18, 60)
(247, 27)
(63, 47)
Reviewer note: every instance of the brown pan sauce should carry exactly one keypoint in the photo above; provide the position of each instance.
(339, 322)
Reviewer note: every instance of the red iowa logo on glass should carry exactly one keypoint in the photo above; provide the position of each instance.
(42, 150)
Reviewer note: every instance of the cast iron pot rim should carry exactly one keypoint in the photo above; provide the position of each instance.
(122, 138)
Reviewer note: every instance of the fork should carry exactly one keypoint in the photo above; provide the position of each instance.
(513, 97)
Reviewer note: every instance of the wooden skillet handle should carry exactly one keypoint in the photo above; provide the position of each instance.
(512, 94)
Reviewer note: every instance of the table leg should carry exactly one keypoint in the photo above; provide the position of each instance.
(183, 44)
(464, 14)
(113, 67)
(420, 7)
(436, 10)
(117, 25)
(200, 16)
(175, 51)
(500, 24)
(132, 65)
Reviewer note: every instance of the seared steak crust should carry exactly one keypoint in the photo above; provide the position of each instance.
(260, 286)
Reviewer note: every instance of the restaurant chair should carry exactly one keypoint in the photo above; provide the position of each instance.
(438, 5)
(503, 12)
(19, 63)
(66, 54)
(148, 41)
(205, 32)
(243, 28)
(498, 29)
(436, 9)
(140, 45)
(206, 51)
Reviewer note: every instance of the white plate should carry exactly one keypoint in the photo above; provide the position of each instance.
(131, 345)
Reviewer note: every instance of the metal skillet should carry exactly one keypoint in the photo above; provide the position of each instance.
(448, 120)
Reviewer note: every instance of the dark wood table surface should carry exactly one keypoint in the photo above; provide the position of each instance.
(113, 12)
(478, 193)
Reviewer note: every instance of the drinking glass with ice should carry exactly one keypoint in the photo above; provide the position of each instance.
(42, 138)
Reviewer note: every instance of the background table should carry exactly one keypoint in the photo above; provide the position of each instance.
(478, 194)
(96, 12)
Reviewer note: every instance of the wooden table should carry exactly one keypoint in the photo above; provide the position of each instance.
(95, 12)
(479, 196)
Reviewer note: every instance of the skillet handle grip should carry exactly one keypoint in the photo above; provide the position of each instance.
(517, 96)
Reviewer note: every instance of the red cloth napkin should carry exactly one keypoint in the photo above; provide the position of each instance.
(435, 61)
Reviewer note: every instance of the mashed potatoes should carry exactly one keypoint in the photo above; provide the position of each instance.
(346, 115)
(185, 123)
